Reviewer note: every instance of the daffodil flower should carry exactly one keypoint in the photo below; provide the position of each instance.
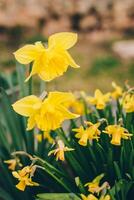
(51, 61)
(24, 177)
(89, 197)
(12, 163)
(118, 91)
(105, 197)
(47, 114)
(92, 197)
(99, 99)
(128, 103)
(90, 133)
(117, 132)
(94, 186)
(60, 151)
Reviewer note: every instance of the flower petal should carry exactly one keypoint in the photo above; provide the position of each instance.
(65, 40)
(26, 54)
(27, 105)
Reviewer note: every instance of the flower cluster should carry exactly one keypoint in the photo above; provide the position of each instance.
(94, 120)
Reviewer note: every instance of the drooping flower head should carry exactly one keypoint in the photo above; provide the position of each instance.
(99, 99)
(90, 133)
(12, 163)
(24, 177)
(47, 114)
(94, 186)
(60, 151)
(117, 133)
(51, 61)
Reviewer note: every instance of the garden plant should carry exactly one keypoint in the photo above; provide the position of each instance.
(64, 145)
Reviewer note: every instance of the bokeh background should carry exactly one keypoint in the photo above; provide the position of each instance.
(105, 50)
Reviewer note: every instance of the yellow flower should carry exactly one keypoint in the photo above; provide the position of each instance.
(47, 114)
(89, 197)
(117, 132)
(99, 99)
(24, 177)
(59, 152)
(106, 197)
(92, 197)
(128, 103)
(94, 186)
(51, 61)
(118, 91)
(13, 163)
(90, 133)
(46, 135)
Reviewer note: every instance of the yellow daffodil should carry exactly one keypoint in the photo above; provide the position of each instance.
(49, 61)
(117, 132)
(12, 163)
(94, 186)
(46, 135)
(24, 177)
(105, 197)
(128, 103)
(118, 91)
(92, 197)
(89, 197)
(99, 99)
(90, 133)
(47, 114)
(60, 151)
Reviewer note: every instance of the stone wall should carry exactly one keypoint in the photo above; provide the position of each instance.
(50, 16)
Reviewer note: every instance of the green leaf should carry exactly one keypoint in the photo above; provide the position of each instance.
(54, 196)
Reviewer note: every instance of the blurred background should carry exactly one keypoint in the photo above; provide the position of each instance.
(105, 50)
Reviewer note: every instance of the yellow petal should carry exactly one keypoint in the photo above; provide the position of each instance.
(16, 175)
(98, 93)
(60, 97)
(26, 54)
(21, 185)
(71, 61)
(38, 65)
(27, 105)
(31, 123)
(65, 40)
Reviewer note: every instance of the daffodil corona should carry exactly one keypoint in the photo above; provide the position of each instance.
(24, 177)
(90, 133)
(51, 61)
(99, 99)
(47, 114)
(117, 133)
(59, 152)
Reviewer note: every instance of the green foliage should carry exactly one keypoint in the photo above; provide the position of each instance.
(104, 63)
(63, 196)
(81, 166)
